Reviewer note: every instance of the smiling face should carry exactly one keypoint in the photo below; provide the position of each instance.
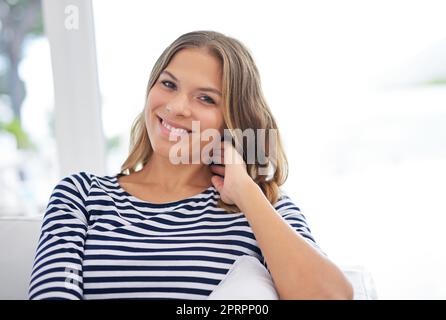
(190, 87)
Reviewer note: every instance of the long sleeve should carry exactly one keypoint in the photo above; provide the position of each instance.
(57, 268)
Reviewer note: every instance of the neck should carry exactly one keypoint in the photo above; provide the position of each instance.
(161, 172)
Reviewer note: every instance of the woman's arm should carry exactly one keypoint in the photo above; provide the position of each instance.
(57, 269)
(298, 269)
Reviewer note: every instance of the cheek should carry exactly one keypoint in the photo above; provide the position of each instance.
(212, 120)
(155, 99)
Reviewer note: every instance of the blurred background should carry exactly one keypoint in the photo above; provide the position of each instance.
(358, 89)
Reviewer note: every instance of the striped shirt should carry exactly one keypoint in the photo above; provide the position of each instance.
(98, 241)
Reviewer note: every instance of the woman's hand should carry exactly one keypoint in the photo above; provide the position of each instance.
(235, 179)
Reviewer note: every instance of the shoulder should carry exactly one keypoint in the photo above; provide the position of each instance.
(80, 183)
(79, 179)
(84, 178)
(285, 203)
(75, 189)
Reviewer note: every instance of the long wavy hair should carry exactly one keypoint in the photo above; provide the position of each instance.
(244, 107)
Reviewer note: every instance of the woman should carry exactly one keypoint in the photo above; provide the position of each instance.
(171, 227)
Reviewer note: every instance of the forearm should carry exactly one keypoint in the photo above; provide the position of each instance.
(298, 270)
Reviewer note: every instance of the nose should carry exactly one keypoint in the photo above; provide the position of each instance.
(179, 106)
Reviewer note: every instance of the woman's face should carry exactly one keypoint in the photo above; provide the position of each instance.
(190, 87)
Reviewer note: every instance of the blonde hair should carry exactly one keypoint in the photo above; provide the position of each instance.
(243, 103)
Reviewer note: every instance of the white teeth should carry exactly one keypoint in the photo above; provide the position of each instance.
(172, 129)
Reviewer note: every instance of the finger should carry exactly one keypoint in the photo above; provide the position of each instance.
(217, 182)
(228, 151)
(231, 155)
(220, 170)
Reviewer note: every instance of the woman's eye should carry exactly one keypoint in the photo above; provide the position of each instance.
(168, 83)
(208, 100)
(171, 85)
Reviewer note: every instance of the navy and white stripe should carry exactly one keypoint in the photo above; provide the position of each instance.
(99, 242)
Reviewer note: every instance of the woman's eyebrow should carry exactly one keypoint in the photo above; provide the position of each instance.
(201, 89)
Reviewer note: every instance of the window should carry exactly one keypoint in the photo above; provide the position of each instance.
(27, 144)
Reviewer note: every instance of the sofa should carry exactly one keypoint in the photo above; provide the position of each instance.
(18, 241)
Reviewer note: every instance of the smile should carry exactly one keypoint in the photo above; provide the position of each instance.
(168, 128)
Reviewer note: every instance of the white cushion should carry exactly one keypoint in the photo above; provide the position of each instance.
(246, 279)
